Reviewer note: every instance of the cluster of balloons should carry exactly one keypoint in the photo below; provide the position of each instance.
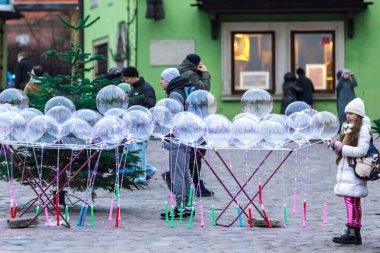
(194, 123)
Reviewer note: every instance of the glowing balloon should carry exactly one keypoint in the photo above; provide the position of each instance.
(5, 125)
(201, 103)
(247, 115)
(109, 97)
(172, 105)
(115, 112)
(18, 126)
(76, 132)
(257, 102)
(273, 132)
(60, 101)
(16, 98)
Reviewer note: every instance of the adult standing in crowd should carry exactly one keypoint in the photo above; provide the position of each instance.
(142, 93)
(344, 91)
(34, 85)
(193, 69)
(23, 67)
(290, 90)
(307, 87)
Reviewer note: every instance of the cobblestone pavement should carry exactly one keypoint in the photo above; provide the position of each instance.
(310, 171)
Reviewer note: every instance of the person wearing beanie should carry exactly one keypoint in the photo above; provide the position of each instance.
(178, 177)
(193, 69)
(114, 76)
(306, 95)
(141, 93)
(345, 92)
(354, 142)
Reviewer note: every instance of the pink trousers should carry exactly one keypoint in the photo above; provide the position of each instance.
(354, 211)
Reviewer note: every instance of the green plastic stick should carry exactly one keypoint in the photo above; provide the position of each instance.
(213, 215)
(166, 212)
(117, 190)
(172, 218)
(285, 215)
(92, 216)
(37, 211)
(67, 213)
(190, 203)
(191, 218)
(180, 213)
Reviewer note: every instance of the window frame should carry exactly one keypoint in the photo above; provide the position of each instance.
(96, 44)
(282, 50)
(273, 74)
(292, 54)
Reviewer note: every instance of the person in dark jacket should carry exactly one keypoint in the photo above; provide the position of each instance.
(290, 91)
(179, 154)
(142, 93)
(23, 68)
(114, 75)
(307, 85)
(345, 92)
(193, 69)
(196, 72)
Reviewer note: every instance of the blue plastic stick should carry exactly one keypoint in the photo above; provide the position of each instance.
(84, 216)
(240, 218)
(80, 215)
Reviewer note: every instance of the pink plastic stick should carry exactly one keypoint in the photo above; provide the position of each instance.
(119, 213)
(47, 217)
(325, 212)
(202, 220)
(304, 214)
(111, 209)
(171, 201)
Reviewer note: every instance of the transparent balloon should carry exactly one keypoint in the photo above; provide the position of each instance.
(76, 133)
(42, 130)
(327, 123)
(188, 128)
(15, 98)
(219, 131)
(109, 97)
(18, 126)
(247, 115)
(108, 132)
(59, 113)
(60, 101)
(115, 112)
(160, 131)
(201, 103)
(246, 131)
(299, 120)
(273, 132)
(90, 116)
(172, 105)
(5, 125)
(297, 106)
(139, 125)
(141, 108)
(161, 115)
(257, 102)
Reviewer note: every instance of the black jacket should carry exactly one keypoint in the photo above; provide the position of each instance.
(290, 91)
(141, 87)
(176, 87)
(308, 89)
(22, 77)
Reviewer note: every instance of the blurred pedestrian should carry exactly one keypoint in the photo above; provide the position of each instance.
(344, 91)
(23, 68)
(306, 95)
(34, 85)
(290, 90)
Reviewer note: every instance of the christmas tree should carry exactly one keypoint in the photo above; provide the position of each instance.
(82, 92)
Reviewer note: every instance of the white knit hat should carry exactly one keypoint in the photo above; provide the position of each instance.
(169, 74)
(356, 106)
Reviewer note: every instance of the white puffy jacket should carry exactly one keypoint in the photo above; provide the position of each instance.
(347, 183)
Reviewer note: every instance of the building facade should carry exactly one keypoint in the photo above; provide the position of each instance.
(247, 44)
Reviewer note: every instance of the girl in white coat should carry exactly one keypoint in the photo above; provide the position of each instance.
(354, 142)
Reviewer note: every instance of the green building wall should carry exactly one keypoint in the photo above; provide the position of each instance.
(182, 21)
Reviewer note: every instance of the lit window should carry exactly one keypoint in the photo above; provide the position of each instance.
(253, 61)
(314, 52)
